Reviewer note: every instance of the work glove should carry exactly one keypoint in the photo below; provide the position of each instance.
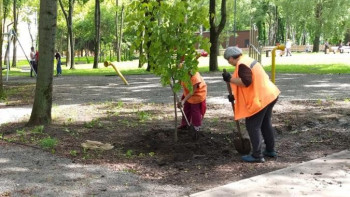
(226, 76)
(231, 98)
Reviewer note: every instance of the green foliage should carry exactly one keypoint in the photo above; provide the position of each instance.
(22, 134)
(129, 153)
(3, 96)
(144, 116)
(38, 129)
(120, 104)
(73, 153)
(48, 143)
(169, 30)
(93, 123)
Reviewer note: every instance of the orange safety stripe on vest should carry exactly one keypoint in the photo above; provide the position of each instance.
(201, 92)
(261, 92)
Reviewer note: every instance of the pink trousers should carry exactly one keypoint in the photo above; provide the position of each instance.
(194, 113)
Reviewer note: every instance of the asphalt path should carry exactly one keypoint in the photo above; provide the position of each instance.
(147, 88)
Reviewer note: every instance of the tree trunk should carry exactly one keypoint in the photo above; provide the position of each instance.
(120, 33)
(15, 20)
(318, 15)
(68, 52)
(141, 50)
(215, 32)
(71, 34)
(30, 34)
(97, 32)
(41, 112)
(1, 43)
(116, 31)
(213, 58)
(316, 43)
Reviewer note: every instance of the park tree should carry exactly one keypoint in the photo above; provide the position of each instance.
(2, 93)
(173, 38)
(97, 23)
(215, 31)
(119, 29)
(4, 8)
(17, 4)
(41, 112)
(15, 22)
(68, 15)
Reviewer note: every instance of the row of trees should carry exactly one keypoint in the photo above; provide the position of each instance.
(157, 27)
(95, 26)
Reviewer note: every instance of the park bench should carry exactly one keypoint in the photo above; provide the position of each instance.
(295, 48)
(268, 50)
(343, 49)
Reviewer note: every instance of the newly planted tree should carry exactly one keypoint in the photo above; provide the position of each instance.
(174, 38)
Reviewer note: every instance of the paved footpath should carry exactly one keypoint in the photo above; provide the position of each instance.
(327, 176)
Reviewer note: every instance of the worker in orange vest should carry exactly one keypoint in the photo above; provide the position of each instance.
(194, 103)
(254, 96)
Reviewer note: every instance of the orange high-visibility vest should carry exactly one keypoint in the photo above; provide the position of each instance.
(201, 93)
(261, 92)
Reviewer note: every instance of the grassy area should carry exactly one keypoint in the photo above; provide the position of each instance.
(306, 69)
(130, 68)
(312, 69)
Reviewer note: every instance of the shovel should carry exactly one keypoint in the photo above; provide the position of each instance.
(195, 135)
(242, 144)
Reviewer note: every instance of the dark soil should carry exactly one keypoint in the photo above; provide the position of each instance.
(143, 139)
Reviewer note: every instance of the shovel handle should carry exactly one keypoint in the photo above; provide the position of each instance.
(233, 107)
(178, 100)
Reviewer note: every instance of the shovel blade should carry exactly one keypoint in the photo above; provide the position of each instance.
(242, 145)
(195, 133)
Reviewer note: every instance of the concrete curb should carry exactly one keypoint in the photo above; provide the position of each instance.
(326, 176)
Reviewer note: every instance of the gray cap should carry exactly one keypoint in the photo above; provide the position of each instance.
(232, 51)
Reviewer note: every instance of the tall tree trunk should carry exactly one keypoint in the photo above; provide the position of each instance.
(97, 32)
(215, 32)
(120, 34)
(318, 15)
(15, 20)
(68, 52)
(1, 43)
(141, 50)
(41, 112)
(70, 32)
(214, 47)
(30, 34)
(116, 31)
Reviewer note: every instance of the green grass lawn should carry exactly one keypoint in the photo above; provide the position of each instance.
(130, 68)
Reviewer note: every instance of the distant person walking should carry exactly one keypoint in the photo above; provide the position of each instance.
(32, 62)
(340, 45)
(326, 47)
(288, 47)
(58, 68)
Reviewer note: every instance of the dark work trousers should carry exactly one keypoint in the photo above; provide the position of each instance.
(33, 66)
(193, 114)
(259, 126)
